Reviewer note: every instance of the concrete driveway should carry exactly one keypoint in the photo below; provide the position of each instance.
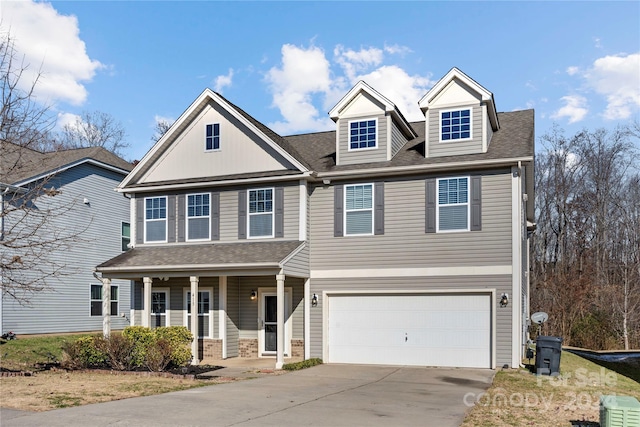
(336, 395)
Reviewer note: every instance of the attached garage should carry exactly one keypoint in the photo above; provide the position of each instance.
(452, 330)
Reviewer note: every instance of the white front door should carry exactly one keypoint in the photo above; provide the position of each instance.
(268, 322)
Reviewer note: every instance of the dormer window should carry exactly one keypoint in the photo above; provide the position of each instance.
(362, 134)
(212, 137)
(455, 124)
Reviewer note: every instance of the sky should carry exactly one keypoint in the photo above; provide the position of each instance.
(288, 63)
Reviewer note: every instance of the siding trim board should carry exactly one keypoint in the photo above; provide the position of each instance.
(489, 270)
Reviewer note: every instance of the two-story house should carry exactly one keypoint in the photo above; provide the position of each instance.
(60, 217)
(381, 242)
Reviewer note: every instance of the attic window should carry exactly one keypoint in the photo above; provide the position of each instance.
(455, 124)
(212, 137)
(362, 134)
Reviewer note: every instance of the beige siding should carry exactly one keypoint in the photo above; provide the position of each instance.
(451, 148)
(405, 243)
(499, 282)
(248, 310)
(379, 154)
(397, 139)
(232, 316)
(299, 264)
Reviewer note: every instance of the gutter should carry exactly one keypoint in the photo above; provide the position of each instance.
(189, 267)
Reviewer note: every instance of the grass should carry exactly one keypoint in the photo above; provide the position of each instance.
(303, 364)
(28, 353)
(519, 398)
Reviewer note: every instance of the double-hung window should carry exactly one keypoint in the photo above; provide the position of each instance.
(455, 124)
(453, 204)
(159, 308)
(204, 313)
(212, 137)
(96, 300)
(362, 134)
(198, 216)
(358, 202)
(155, 219)
(261, 219)
(126, 235)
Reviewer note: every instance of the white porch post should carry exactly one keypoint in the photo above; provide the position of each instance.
(146, 310)
(106, 307)
(307, 319)
(222, 314)
(280, 320)
(194, 319)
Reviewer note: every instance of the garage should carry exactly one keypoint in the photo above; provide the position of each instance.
(452, 330)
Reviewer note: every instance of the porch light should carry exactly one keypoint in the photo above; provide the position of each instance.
(254, 295)
(504, 300)
(314, 300)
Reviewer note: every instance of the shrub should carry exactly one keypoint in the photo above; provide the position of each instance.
(158, 355)
(301, 365)
(83, 353)
(141, 337)
(179, 339)
(119, 349)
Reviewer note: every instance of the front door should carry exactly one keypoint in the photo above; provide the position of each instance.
(269, 322)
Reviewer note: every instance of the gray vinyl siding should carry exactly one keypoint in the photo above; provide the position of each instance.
(500, 283)
(454, 147)
(298, 265)
(405, 243)
(379, 154)
(248, 310)
(65, 306)
(397, 139)
(232, 316)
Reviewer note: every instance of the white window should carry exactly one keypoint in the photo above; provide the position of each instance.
(125, 232)
(358, 203)
(205, 312)
(453, 204)
(363, 134)
(159, 308)
(198, 216)
(155, 219)
(261, 218)
(96, 300)
(212, 137)
(455, 124)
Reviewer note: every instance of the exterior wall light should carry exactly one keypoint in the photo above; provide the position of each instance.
(254, 295)
(314, 300)
(504, 300)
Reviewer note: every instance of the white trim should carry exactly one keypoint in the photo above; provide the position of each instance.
(515, 299)
(167, 313)
(273, 213)
(100, 300)
(449, 110)
(485, 140)
(302, 212)
(222, 313)
(166, 219)
(389, 138)
(469, 270)
(212, 137)
(288, 314)
(372, 209)
(293, 253)
(360, 120)
(132, 221)
(122, 235)
(187, 217)
(185, 307)
(468, 178)
(454, 73)
(307, 319)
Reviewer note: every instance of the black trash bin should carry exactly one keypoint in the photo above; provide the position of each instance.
(548, 351)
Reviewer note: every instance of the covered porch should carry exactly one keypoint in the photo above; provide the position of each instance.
(249, 297)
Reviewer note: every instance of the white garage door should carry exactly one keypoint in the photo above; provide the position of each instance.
(424, 330)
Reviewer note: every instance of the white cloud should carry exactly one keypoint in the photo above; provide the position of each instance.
(572, 70)
(353, 61)
(617, 78)
(574, 109)
(397, 49)
(223, 81)
(50, 43)
(67, 119)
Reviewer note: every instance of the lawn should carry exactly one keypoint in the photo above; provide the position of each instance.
(519, 398)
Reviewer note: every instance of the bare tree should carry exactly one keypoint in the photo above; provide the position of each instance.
(94, 129)
(161, 127)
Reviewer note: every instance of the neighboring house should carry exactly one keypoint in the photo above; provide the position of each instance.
(382, 242)
(86, 221)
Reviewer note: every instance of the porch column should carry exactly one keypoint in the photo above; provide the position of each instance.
(194, 319)
(106, 307)
(280, 320)
(222, 314)
(146, 310)
(307, 319)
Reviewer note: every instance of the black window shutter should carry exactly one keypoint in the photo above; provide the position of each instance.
(378, 214)
(279, 212)
(338, 219)
(181, 218)
(171, 219)
(242, 214)
(215, 216)
(476, 203)
(430, 206)
(139, 219)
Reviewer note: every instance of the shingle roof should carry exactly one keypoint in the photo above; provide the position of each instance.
(188, 257)
(18, 164)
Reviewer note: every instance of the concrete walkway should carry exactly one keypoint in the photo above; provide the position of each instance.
(337, 395)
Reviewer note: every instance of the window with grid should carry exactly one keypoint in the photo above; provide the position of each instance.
(453, 204)
(125, 232)
(198, 216)
(212, 137)
(96, 300)
(204, 316)
(362, 134)
(159, 308)
(155, 219)
(261, 213)
(455, 125)
(358, 209)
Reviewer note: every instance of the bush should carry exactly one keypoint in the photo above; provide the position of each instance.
(301, 365)
(179, 339)
(119, 350)
(158, 355)
(141, 337)
(83, 353)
